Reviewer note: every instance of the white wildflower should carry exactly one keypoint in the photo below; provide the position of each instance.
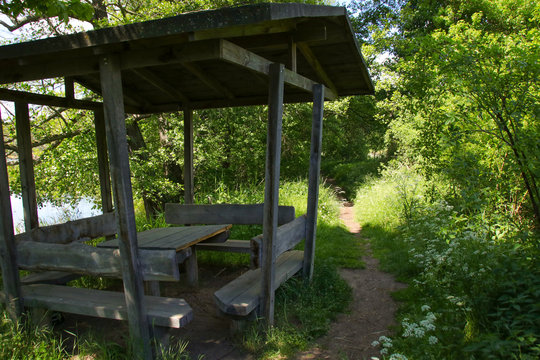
(433, 340)
(398, 357)
(425, 308)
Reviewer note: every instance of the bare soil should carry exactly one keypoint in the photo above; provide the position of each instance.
(350, 337)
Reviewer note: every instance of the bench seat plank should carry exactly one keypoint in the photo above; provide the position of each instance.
(241, 296)
(236, 246)
(162, 311)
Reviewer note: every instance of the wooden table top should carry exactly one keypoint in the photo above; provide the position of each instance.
(177, 238)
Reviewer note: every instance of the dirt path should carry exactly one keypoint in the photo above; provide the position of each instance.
(371, 313)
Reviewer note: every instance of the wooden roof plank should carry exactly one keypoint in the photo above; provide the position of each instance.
(211, 82)
(160, 84)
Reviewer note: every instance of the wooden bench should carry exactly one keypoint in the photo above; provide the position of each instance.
(162, 311)
(236, 214)
(39, 250)
(240, 298)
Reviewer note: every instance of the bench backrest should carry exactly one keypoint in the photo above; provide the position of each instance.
(236, 214)
(77, 230)
(287, 237)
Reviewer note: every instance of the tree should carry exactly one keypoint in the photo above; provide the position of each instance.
(461, 83)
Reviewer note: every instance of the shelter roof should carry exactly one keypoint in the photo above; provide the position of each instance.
(206, 59)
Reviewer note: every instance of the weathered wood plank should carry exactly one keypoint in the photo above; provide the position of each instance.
(76, 230)
(316, 65)
(160, 84)
(291, 54)
(88, 260)
(69, 88)
(26, 166)
(313, 182)
(162, 311)
(242, 295)
(288, 236)
(48, 100)
(103, 162)
(188, 157)
(242, 57)
(113, 104)
(271, 189)
(236, 246)
(209, 81)
(236, 214)
(8, 264)
(49, 277)
(173, 238)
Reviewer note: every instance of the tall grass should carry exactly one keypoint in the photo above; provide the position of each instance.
(474, 284)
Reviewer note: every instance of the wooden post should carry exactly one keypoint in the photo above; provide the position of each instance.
(313, 184)
(69, 88)
(271, 190)
(291, 61)
(10, 274)
(113, 103)
(103, 162)
(26, 166)
(188, 156)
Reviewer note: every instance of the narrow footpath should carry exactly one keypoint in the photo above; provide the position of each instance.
(372, 310)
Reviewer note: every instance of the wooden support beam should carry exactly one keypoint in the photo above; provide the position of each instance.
(161, 85)
(291, 61)
(211, 82)
(313, 182)
(48, 100)
(58, 67)
(247, 59)
(26, 166)
(8, 263)
(271, 189)
(69, 88)
(316, 65)
(111, 88)
(103, 162)
(188, 156)
(133, 106)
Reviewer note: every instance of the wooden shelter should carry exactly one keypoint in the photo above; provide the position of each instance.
(250, 55)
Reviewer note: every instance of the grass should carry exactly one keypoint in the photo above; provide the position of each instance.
(303, 311)
(474, 285)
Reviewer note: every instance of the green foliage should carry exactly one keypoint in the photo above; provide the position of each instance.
(351, 175)
(303, 313)
(462, 99)
(19, 342)
(48, 8)
(473, 282)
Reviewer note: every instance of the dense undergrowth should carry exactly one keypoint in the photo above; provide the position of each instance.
(303, 311)
(474, 278)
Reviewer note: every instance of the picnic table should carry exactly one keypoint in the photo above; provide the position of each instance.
(181, 239)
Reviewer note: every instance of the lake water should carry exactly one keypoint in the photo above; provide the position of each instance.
(49, 214)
